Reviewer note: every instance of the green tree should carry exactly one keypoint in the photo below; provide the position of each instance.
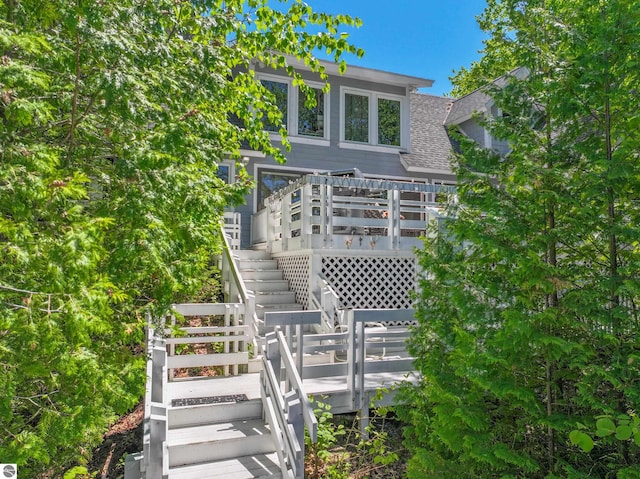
(114, 117)
(498, 56)
(528, 317)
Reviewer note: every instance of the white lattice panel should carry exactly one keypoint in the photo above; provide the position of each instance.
(371, 282)
(297, 270)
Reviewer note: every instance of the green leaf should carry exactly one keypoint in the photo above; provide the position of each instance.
(605, 427)
(582, 440)
(623, 433)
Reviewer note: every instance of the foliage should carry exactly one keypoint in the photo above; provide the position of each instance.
(341, 452)
(498, 55)
(114, 117)
(528, 317)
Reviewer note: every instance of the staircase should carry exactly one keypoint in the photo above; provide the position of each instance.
(261, 275)
(225, 440)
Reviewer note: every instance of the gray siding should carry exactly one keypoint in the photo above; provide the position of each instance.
(331, 156)
(473, 131)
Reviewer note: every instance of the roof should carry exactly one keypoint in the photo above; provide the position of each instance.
(430, 143)
(367, 74)
(478, 100)
(463, 108)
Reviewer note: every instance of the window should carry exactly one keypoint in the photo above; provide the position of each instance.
(280, 91)
(356, 118)
(223, 172)
(311, 117)
(305, 119)
(271, 181)
(374, 119)
(388, 122)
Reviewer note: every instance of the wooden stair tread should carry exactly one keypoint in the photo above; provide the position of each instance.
(244, 467)
(226, 431)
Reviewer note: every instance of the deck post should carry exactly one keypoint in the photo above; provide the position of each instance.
(295, 419)
(364, 422)
(352, 344)
(158, 431)
(272, 351)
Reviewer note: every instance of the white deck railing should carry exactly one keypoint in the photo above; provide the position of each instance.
(286, 405)
(320, 211)
(229, 339)
(235, 289)
(156, 423)
(364, 346)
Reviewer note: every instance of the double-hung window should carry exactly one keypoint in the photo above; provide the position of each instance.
(373, 118)
(302, 115)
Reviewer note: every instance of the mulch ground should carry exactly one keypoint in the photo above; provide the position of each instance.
(124, 437)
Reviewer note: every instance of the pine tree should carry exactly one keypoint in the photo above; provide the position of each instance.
(528, 307)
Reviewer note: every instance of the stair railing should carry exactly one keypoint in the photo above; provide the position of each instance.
(331, 309)
(155, 463)
(286, 406)
(231, 335)
(235, 289)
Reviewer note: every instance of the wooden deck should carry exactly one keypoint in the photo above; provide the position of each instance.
(252, 425)
(333, 390)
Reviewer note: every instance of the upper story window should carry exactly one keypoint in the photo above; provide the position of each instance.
(301, 116)
(356, 118)
(311, 114)
(373, 119)
(280, 91)
(389, 121)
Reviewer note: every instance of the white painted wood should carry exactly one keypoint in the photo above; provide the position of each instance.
(267, 284)
(206, 309)
(248, 384)
(185, 416)
(259, 264)
(259, 466)
(200, 360)
(264, 274)
(218, 441)
(275, 297)
(251, 254)
(208, 339)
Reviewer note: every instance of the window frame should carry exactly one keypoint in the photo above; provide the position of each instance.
(373, 124)
(293, 96)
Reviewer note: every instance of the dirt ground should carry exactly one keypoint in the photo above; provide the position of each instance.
(124, 437)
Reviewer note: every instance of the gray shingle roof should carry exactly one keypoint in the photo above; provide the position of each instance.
(477, 101)
(430, 144)
(463, 108)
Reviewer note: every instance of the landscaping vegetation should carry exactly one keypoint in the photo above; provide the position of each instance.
(114, 119)
(528, 310)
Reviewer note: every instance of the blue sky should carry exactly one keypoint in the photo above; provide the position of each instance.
(424, 38)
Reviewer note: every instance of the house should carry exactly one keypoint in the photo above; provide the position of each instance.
(371, 127)
(317, 279)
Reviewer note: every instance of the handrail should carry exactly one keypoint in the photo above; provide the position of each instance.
(328, 304)
(288, 410)
(360, 183)
(366, 347)
(234, 286)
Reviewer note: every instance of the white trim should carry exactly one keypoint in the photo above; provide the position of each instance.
(284, 81)
(327, 113)
(293, 93)
(372, 144)
(309, 140)
(354, 145)
(251, 153)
